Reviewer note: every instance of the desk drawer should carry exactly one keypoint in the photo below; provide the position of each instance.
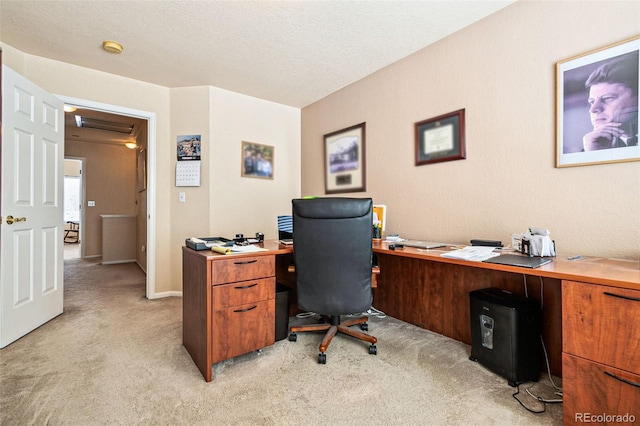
(591, 390)
(602, 324)
(242, 269)
(241, 293)
(242, 329)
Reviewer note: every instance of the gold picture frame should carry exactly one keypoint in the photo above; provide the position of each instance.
(591, 126)
(258, 160)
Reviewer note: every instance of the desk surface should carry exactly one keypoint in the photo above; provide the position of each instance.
(597, 270)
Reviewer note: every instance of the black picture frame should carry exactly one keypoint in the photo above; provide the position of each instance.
(344, 160)
(440, 139)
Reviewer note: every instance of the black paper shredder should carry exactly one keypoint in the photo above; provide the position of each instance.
(505, 334)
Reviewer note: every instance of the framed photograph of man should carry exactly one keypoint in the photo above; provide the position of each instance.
(597, 106)
(257, 160)
(344, 160)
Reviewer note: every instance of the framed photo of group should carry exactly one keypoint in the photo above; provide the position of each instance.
(597, 106)
(440, 138)
(258, 160)
(344, 160)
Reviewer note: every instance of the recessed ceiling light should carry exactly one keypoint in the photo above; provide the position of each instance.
(130, 145)
(69, 108)
(112, 46)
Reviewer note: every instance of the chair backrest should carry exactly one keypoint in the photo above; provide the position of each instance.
(332, 249)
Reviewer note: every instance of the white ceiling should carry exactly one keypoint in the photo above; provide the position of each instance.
(289, 52)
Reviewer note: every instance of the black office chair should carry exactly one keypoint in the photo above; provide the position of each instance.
(332, 252)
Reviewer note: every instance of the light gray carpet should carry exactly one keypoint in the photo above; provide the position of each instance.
(116, 358)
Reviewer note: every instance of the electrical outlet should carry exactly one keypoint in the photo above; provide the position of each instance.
(91, 203)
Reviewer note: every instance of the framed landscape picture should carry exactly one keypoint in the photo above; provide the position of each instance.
(344, 160)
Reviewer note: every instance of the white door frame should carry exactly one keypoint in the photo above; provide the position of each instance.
(151, 176)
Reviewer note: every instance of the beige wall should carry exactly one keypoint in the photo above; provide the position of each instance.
(77, 82)
(243, 204)
(141, 201)
(224, 204)
(502, 71)
(110, 178)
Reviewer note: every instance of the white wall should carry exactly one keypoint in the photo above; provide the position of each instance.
(501, 70)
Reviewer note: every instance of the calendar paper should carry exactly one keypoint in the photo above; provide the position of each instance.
(188, 173)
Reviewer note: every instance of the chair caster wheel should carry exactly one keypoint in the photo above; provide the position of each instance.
(293, 337)
(373, 350)
(322, 358)
(364, 326)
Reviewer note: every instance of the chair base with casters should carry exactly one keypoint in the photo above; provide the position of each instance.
(333, 327)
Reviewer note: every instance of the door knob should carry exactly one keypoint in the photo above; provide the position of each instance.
(11, 219)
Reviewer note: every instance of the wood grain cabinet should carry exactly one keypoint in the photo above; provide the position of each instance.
(228, 306)
(601, 353)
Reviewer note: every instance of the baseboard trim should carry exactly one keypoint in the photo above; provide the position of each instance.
(165, 294)
(113, 262)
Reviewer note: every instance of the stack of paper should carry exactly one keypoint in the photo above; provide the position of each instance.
(472, 253)
(237, 249)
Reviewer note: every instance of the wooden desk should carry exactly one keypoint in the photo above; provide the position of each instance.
(228, 303)
(602, 333)
(593, 302)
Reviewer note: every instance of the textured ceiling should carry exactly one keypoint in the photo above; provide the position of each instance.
(290, 52)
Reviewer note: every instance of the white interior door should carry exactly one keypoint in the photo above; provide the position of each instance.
(31, 261)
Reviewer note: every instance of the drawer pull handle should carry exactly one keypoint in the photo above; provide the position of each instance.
(635, 299)
(245, 262)
(246, 310)
(244, 287)
(629, 382)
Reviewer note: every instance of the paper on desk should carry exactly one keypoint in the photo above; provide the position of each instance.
(246, 249)
(237, 249)
(472, 253)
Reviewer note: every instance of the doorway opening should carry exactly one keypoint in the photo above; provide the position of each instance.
(148, 195)
(72, 210)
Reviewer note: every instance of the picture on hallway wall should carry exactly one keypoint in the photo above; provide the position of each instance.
(258, 160)
(344, 160)
(597, 106)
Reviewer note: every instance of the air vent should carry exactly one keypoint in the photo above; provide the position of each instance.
(109, 126)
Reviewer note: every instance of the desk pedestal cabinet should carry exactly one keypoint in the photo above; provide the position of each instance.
(228, 306)
(601, 354)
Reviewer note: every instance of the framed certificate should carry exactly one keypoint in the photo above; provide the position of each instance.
(440, 139)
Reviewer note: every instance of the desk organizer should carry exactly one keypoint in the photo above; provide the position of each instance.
(203, 246)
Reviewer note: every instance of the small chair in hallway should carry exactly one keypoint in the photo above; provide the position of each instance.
(72, 232)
